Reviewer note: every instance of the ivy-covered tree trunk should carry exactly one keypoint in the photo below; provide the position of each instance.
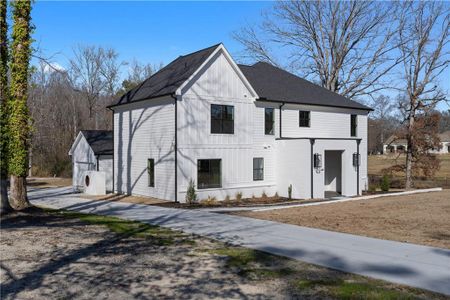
(19, 121)
(4, 203)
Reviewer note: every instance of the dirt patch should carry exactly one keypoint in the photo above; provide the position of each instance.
(41, 182)
(128, 199)
(59, 255)
(418, 218)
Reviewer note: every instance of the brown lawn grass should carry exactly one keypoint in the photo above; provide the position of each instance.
(418, 218)
(42, 182)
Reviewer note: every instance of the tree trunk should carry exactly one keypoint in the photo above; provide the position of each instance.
(409, 152)
(4, 202)
(18, 195)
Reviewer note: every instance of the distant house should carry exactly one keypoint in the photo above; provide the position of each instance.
(92, 150)
(250, 129)
(396, 145)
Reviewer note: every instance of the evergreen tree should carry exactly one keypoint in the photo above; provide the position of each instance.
(4, 203)
(19, 121)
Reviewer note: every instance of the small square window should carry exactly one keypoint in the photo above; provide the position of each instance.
(304, 118)
(258, 168)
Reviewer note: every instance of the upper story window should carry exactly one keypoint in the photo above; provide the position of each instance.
(305, 120)
(209, 173)
(269, 121)
(353, 125)
(222, 118)
(151, 172)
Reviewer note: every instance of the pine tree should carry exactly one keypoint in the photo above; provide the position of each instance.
(4, 203)
(19, 121)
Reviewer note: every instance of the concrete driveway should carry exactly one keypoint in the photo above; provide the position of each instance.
(409, 264)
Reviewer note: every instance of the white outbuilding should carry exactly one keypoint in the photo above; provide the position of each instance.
(92, 150)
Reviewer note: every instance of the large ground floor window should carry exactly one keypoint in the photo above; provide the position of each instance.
(209, 173)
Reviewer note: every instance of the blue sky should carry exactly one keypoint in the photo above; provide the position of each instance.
(148, 31)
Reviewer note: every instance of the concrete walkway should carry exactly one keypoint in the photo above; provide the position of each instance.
(414, 265)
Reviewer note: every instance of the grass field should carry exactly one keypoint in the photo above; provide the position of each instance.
(418, 218)
(376, 164)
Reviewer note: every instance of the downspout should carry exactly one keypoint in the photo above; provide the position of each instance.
(357, 166)
(113, 189)
(97, 162)
(312, 141)
(281, 106)
(176, 147)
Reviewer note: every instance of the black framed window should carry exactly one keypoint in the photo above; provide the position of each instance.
(222, 118)
(353, 125)
(209, 173)
(304, 118)
(269, 121)
(258, 168)
(151, 172)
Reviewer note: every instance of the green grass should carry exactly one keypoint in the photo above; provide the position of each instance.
(342, 289)
(159, 235)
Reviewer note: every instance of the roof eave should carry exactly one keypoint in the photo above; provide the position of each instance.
(314, 104)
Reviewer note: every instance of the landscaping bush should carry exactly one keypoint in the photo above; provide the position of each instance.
(238, 196)
(263, 195)
(385, 183)
(191, 196)
(290, 191)
(210, 201)
(372, 188)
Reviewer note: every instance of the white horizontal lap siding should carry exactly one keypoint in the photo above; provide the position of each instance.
(142, 131)
(218, 83)
(82, 157)
(325, 122)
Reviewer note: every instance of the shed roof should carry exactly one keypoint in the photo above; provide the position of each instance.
(101, 141)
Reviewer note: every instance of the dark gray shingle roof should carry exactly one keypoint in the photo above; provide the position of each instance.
(272, 83)
(168, 79)
(101, 141)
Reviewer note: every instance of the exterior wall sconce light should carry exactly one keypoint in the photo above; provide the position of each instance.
(356, 159)
(317, 160)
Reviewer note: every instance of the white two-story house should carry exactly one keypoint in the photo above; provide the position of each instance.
(235, 128)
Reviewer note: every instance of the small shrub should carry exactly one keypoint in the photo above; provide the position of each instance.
(191, 196)
(385, 183)
(276, 195)
(263, 195)
(238, 196)
(290, 191)
(210, 201)
(372, 188)
(227, 198)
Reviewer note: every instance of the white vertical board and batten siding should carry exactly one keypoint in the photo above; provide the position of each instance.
(219, 83)
(145, 130)
(82, 158)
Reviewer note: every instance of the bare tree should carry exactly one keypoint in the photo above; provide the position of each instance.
(384, 108)
(423, 35)
(137, 73)
(344, 45)
(86, 75)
